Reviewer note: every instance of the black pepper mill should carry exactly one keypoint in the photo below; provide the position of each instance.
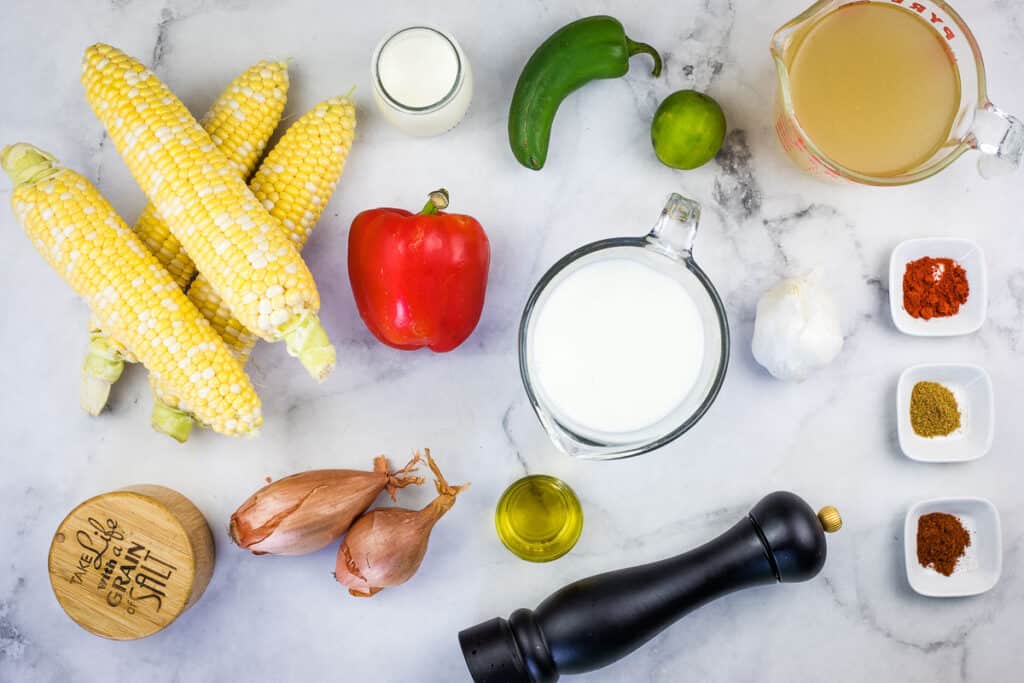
(596, 621)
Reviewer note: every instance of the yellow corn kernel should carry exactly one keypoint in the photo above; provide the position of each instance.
(240, 249)
(240, 122)
(129, 292)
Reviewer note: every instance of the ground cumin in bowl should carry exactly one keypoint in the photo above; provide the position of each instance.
(945, 412)
(934, 410)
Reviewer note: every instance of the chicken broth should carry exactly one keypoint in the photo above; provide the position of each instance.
(874, 87)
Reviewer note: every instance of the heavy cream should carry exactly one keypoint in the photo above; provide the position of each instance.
(616, 346)
(422, 82)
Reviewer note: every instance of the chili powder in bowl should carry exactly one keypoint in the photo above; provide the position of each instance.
(953, 547)
(938, 287)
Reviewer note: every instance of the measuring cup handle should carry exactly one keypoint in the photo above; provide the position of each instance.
(1000, 139)
(676, 229)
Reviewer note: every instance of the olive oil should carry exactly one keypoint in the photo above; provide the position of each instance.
(874, 87)
(539, 518)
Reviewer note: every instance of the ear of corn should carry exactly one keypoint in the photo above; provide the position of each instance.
(239, 248)
(295, 182)
(240, 123)
(129, 292)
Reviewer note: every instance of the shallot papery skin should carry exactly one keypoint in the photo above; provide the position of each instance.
(386, 546)
(307, 511)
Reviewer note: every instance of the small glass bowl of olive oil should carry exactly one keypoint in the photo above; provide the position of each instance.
(539, 518)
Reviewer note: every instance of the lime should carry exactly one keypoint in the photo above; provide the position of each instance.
(688, 129)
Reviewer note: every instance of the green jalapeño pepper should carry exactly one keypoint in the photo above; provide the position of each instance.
(574, 55)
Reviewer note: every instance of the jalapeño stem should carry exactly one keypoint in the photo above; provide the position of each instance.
(643, 48)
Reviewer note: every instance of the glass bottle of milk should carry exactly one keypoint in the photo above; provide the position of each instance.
(422, 81)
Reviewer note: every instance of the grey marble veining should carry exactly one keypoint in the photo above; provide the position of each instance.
(832, 439)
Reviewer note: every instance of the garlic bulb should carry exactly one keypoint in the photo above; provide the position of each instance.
(797, 328)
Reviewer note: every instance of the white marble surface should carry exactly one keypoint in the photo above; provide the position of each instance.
(831, 439)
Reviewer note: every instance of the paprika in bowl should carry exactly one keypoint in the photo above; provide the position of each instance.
(938, 287)
(419, 279)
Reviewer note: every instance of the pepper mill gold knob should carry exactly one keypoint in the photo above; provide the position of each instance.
(831, 522)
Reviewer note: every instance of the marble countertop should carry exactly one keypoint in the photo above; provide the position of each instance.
(831, 439)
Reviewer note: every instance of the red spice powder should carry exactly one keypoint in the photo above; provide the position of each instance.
(934, 287)
(941, 542)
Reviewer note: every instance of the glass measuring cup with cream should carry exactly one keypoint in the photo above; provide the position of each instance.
(422, 81)
(624, 343)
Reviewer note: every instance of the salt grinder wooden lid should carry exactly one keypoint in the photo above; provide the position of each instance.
(125, 564)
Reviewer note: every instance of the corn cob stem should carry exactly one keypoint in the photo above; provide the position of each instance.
(171, 421)
(240, 123)
(307, 341)
(27, 165)
(102, 367)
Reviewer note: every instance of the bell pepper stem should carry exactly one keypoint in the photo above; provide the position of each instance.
(643, 48)
(438, 201)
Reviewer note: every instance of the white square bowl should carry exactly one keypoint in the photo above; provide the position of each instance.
(979, 569)
(972, 313)
(972, 387)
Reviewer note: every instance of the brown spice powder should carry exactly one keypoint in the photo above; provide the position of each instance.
(941, 541)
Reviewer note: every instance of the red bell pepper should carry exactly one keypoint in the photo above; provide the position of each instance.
(419, 279)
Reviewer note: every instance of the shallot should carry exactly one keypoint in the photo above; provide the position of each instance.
(386, 546)
(307, 511)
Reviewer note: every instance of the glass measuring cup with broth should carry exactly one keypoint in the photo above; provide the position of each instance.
(886, 92)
